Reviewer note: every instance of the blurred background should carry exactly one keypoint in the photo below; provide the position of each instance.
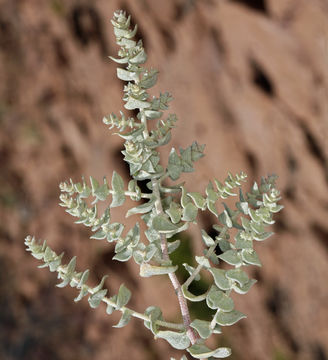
(249, 80)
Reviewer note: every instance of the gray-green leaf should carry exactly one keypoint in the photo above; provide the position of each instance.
(123, 296)
(95, 299)
(208, 241)
(125, 318)
(190, 212)
(250, 257)
(202, 327)
(142, 209)
(200, 351)
(177, 340)
(217, 299)
(229, 318)
(220, 279)
(147, 270)
(118, 190)
(231, 257)
(237, 275)
(163, 225)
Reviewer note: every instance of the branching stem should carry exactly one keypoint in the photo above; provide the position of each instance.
(62, 270)
(174, 280)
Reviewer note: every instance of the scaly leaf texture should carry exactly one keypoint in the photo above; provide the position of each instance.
(167, 211)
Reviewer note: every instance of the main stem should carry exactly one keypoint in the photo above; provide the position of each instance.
(174, 280)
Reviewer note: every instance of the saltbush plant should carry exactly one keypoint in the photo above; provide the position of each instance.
(166, 211)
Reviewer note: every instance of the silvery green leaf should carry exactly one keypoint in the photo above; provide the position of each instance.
(133, 187)
(118, 189)
(121, 32)
(94, 184)
(202, 327)
(263, 236)
(152, 235)
(133, 104)
(83, 279)
(100, 285)
(148, 79)
(96, 298)
(243, 207)
(237, 275)
(123, 255)
(154, 313)
(84, 291)
(191, 297)
(142, 209)
(110, 309)
(212, 196)
(49, 255)
(150, 250)
(123, 296)
(276, 208)
(190, 270)
(152, 114)
(131, 134)
(172, 246)
(174, 212)
(174, 167)
(213, 257)
(254, 216)
(125, 318)
(211, 207)
(184, 200)
(129, 44)
(114, 231)
(258, 228)
(119, 61)
(147, 270)
(202, 260)
(190, 212)
(242, 243)
(225, 219)
(171, 189)
(99, 235)
(71, 266)
(139, 58)
(250, 257)
(221, 281)
(200, 351)
(133, 235)
(229, 318)
(198, 200)
(126, 75)
(208, 241)
(163, 225)
(231, 257)
(177, 340)
(224, 244)
(138, 256)
(54, 264)
(245, 288)
(245, 223)
(217, 299)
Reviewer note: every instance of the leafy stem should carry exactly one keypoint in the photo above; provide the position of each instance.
(174, 280)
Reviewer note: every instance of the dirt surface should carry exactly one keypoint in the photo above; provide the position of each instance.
(249, 79)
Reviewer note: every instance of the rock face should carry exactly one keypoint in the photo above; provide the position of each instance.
(249, 79)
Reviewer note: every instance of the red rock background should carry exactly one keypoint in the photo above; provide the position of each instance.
(249, 79)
